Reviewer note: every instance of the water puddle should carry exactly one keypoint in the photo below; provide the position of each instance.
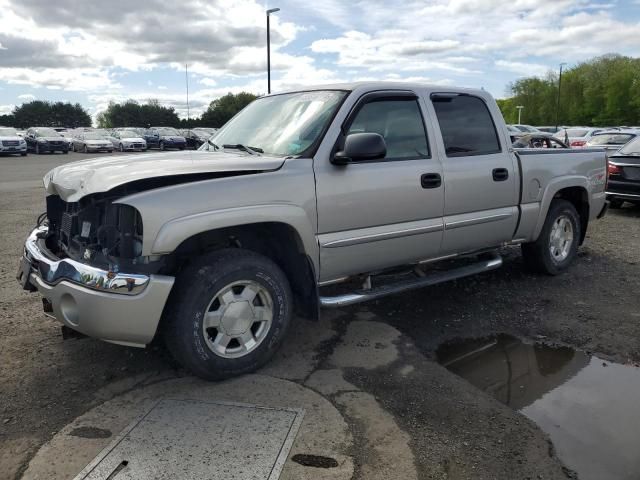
(589, 407)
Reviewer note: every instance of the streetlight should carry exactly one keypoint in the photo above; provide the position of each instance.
(519, 107)
(269, 12)
(558, 99)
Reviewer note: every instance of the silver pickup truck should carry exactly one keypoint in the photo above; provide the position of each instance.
(305, 199)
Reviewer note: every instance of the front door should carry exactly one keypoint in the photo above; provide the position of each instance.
(387, 212)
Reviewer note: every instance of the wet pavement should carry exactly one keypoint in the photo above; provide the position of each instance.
(587, 406)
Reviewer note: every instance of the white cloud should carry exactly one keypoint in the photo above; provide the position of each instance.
(6, 109)
(522, 68)
(27, 97)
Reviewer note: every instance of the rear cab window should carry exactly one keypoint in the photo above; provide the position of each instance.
(466, 125)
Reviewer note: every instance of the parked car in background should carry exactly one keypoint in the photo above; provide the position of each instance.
(45, 140)
(11, 143)
(549, 129)
(226, 245)
(125, 139)
(197, 136)
(624, 175)
(538, 140)
(612, 140)
(514, 133)
(577, 137)
(92, 142)
(164, 138)
(526, 128)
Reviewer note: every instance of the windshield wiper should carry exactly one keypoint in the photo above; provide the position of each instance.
(244, 148)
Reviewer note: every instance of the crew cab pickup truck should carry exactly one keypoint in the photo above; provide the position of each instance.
(305, 199)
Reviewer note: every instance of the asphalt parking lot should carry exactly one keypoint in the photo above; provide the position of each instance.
(377, 400)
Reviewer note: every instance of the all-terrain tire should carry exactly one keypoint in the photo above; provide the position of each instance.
(190, 302)
(538, 256)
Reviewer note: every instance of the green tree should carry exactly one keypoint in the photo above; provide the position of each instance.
(132, 114)
(603, 91)
(225, 107)
(39, 113)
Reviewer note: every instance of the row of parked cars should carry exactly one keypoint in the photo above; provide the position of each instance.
(90, 140)
(622, 145)
(609, 138)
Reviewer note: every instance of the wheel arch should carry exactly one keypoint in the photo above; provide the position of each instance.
(277, 240)
(574, 190)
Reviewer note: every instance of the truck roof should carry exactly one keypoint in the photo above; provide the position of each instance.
(386, 85)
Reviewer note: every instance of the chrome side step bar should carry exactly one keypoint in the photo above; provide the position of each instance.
(495, 261)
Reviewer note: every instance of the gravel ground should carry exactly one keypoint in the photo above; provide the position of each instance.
(456, 431)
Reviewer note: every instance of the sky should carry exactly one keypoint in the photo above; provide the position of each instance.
(97, 51)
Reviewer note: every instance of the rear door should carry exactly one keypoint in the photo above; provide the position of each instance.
(381, 213)
(481, 177)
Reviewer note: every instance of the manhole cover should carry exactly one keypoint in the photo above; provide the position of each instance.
(203, 440)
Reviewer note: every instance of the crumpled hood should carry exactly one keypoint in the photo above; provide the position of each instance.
(78, 179)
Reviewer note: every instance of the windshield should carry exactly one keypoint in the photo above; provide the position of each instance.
(631, 148)
(8, 132)
(94, 136)
(128, 134)
(47, 132)
(168, 131)
(282, 125)
(611, 139)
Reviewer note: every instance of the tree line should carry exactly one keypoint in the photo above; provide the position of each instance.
(128, 114)
(604, 91)
(134, 114)
(39, 113)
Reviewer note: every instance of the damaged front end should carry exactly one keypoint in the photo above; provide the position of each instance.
(98, 231)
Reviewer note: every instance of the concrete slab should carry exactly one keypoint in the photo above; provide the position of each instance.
(323, 430)
(196, 439)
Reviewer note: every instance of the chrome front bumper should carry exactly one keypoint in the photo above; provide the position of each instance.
(116, 307)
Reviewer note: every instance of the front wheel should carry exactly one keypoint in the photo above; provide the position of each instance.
(557, 244)
(161, 145)
(121, 148)
(37, 149)
(228, 313)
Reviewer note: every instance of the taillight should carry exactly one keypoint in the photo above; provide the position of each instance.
(578, 143)
(613, 169)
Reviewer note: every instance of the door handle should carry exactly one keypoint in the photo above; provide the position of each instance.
(430, 180)
(500, 174)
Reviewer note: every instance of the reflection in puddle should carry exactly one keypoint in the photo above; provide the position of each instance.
(590, 408)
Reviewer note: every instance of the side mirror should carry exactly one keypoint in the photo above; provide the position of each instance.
(360, 147)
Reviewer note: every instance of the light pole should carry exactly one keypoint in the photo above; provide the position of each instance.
(558, 99)
(520, 107)
(269, 12)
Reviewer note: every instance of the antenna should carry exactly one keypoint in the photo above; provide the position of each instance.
(186, 77)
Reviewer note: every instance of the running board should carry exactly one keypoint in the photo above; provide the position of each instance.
(495, 261)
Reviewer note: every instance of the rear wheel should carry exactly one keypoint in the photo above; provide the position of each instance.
(557, 244)
(228, 313)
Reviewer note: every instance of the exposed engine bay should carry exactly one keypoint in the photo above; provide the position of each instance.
(94, 230)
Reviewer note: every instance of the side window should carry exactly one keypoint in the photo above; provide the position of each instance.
(399, 122)
(466, 125)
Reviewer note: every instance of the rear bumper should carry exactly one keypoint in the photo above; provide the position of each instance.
(625, 189)
(115, 307)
